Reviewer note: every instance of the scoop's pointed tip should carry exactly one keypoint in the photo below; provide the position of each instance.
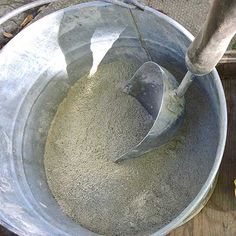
(119, 159)
(127, 88)
(131, 154)
(116, 161)
(123, 157)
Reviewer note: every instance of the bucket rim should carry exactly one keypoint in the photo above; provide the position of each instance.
(196, 202)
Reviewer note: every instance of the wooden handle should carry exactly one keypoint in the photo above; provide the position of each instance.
(212, 41)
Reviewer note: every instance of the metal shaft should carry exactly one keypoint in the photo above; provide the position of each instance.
(184, 85)
(211, 43)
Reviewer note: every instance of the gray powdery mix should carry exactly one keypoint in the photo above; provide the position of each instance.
(96, 122)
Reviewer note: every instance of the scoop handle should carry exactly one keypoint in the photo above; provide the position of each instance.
(211, 43)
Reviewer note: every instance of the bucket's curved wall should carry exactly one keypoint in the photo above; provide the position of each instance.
(58, 53)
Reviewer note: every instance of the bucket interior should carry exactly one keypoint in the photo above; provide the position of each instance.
(59, 50)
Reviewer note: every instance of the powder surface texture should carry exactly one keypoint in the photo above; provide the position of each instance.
(96, 122)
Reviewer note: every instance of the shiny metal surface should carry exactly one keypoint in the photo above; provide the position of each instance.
(36, 77)
(154, 87)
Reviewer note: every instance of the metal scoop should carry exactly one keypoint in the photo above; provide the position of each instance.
(158, 91)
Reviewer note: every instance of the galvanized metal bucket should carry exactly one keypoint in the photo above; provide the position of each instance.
(38, 67)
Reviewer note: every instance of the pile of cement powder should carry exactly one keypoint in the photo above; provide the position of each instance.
(96, 122)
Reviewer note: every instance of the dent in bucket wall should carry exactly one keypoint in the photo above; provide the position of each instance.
(46, 99)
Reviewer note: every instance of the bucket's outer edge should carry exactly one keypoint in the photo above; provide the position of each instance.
(194, 205)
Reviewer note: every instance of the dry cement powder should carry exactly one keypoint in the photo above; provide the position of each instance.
(95, 123)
